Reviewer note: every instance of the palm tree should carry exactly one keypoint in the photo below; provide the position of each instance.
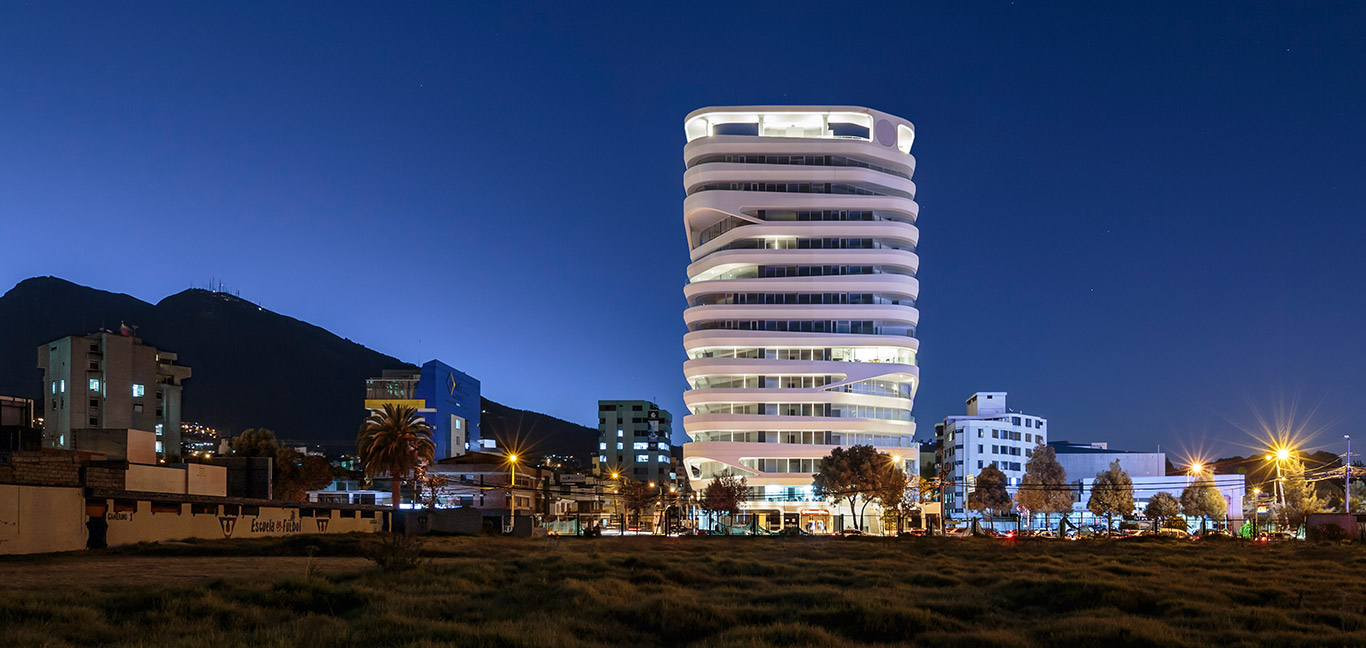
(395, 441)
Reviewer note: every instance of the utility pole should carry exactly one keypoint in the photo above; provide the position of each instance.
(1347, 477)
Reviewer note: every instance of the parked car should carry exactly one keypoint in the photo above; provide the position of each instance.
(1174, 533)
(851, 532)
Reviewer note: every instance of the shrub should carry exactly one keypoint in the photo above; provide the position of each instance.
(397, 552)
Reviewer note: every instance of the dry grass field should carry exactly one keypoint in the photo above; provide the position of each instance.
(692, 592)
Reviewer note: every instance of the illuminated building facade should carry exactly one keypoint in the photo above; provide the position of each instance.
(446, 397)
(801, 315)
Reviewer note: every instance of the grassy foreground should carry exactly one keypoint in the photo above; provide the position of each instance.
(716, 592)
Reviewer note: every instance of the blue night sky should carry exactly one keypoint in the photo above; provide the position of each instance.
(1144, 222)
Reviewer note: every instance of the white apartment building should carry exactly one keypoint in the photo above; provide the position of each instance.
(801, 297)
(989, 435)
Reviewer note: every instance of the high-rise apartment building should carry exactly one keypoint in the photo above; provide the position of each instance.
(634, 441)
(801, 297)
(989, 435)
(112, 382)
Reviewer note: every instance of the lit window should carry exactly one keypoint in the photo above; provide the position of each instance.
(158, 446)
(138, 391)
(640, 445)
(602, 445)
(62, 385)
(159, 427)
(602, 458)
(619, 445)
(663, 458)
(619, 434)
(54, 387)
(642, 458)
(94, 384)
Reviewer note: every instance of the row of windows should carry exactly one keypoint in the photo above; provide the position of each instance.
(638, 445)
(806, 160)
(770, 271)
(827, 215)
(1008, 450)
(761, 382)
(801, 298)
(807, 409)
(1003, 465)
(642, 458)
(866, 327)
(823, 243)
(801, 187)
(833, 354)
(803, 215)
(808, 437)
(781, 465)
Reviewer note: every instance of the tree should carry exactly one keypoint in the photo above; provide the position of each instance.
(1202, 498)
(1301, 499)
(259, 442)
(635, 495)
(989, 495)
(854, 473)
(724, 494)
(1359, 496)
(395, 441)
(1043, 488)
(294, 474)
(1111, 493)
(1160, 507)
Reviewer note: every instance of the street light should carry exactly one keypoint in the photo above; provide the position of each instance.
(512, 485)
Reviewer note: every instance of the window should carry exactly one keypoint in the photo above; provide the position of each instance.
(663, 458)
(1014, 420)
(94, 402)
(62, 385)
(979, 447)
(96, 421)
(1029, 423)
(1029, 438)
(979, 434)
(979, 463)
(620, 445)
(640, 445)
(94, 384)
(644, 458)
(995, 434)
(159, 412)
(138, 390)
(602, 445)
(619, 435)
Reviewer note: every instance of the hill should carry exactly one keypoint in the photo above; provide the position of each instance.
(252, 367)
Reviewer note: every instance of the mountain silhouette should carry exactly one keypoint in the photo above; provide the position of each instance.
(252, 367)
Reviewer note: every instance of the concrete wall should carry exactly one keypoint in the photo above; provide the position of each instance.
(136, 446)
(155, 479)
(149, 523)
(1085, 465)
(203, 479)
(36, 519)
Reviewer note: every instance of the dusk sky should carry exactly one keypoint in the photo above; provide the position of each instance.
(1144, 222)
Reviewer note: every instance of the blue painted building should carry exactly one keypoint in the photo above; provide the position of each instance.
(445, 396)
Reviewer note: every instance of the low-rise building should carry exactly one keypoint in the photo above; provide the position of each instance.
(988, 435)
(446, 397)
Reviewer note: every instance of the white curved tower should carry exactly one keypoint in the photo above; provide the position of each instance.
(801, 296)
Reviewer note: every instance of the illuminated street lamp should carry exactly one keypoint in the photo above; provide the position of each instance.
(512, 486)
